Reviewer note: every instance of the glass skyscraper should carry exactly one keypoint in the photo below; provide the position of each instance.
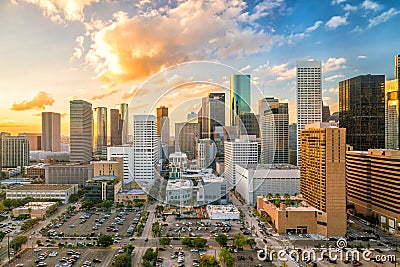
(392, 112)
(240, 96)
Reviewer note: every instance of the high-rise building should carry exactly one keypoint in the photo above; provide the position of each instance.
(35, 140)
(392, 114)
(116, 125)
(274, 131)
(362, 111)
(248, 124)
(212, 113)
(145, 144)
(240, 96)
(100, 131)
(123, 108)
(192, 117)
(322, 174)
(326, 113)
(240, 151)
(206, 151)
(51, 131)
(292, 134)
(81, 131)
(162, 112)
(309, 96)
(127, 154)
(186, 136)
(397, 67)
(14, 151)
(372, 181)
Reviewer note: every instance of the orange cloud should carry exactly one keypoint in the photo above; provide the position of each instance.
(38, 101)
(130, 49)
(108, 93)
(135, 92)
(334, 107)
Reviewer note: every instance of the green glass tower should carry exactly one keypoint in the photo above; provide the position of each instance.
(240, 96)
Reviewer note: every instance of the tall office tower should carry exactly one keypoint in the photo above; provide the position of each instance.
(326, 113)
(100, 131)
(309, 96)
(127, 154)
(35, 140)
(392, 114)
(362, 111)
(145, 144)
(162, 111)
(192, 117)
(240, 151)
(116, 125)
(51, 131)
(206, 152)
(186, 136)
(240, 96)
(372, 181)
(274, 131)
(292, 133)
(322, 174)
(123, 109)
(81, 131)
(397, 67)
(212, 113)
(14, 151)
(248, 124)
(164, 121)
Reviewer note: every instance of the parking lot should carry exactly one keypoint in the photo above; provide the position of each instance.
(30, 258)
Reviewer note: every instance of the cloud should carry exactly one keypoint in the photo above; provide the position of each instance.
(333, 90)
(314, 27)
(78, 50)
(282, 72)
(245, 68)
(337, 2)
(37, 101)
(130, 49)
(357, 29)
(107, 93)
(385, 16)
(362, 57)
(337, 21)
(263, 9)
(370, 5)
(349, 7)
(334, 77)
(134, 91)
(333, 64)
(62, 10)
(296, 37)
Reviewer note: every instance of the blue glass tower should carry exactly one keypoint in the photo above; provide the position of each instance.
(240, 96)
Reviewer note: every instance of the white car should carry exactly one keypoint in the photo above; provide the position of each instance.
(37, 249)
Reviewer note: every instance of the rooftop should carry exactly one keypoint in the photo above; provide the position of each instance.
(178, 184)
(133, 191)
(104, 178)
(222, 209)
(281, 166)
(42, 187)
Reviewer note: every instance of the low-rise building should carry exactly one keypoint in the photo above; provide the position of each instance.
(212, 190)
(74, 173)
(226, 212)
(34, 209)
(34, 171)
(263, 179)
(129, 196)
(179, 192)
(104, 187)
(60, 192)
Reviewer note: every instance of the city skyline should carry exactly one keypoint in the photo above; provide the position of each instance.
(83, 50)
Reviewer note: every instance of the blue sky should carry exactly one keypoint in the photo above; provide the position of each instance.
(102, 51)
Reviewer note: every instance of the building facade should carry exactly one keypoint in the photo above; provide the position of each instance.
(213, 113)
(186, 137)
(392, 114)
(322, 175)
(123, 108)
(372, 185)
(240, 96)
(362, 111)
(206, 151)
(309, 96)
(100, 131)
(103, 187)
(116, 127)
(68, 173)
(14, 151)
(35, 140)
(126, 153)
(60, 192)
(51, 131)
(292, 136)
(81, 131)
(248, 124)
(261, 180)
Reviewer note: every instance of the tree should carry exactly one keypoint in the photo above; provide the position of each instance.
(105, 240)
(239, 240)
(165, 241)
(156, 229)
(128, 249)
(208, 261)
(250, 241)
(187, 242)
(222, 240)
(269, 196)
(123, 260)
(199, 242)
(286, 196)
(73, 198)
(159, 208)
(277, 195)
(226, 257)
(2, 235)
(18, 241)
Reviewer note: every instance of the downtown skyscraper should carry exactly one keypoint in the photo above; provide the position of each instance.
(212, 113)
(81, 131)
(240, 96)
(100, 131)
(309, 96)
(51, 131)
(362, 111)
(123, 108)
(392, 109)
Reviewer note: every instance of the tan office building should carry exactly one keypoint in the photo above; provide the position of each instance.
(51, 131)
(109, 167)
(322, 175)
(372, 181)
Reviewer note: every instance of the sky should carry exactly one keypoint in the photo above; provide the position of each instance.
(109, 52)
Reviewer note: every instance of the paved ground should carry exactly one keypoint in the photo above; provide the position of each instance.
(28, 257)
